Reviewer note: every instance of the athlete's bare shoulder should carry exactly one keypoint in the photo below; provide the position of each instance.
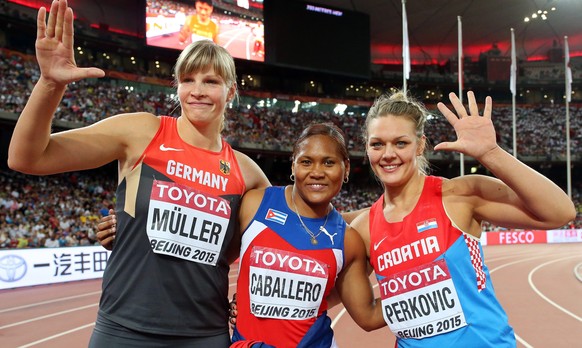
(136, 118)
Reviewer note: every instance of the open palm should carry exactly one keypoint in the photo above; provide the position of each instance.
(54, 46)
(475, 133)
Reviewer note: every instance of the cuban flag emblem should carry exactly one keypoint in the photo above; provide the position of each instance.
(426, 225)
(276, 216)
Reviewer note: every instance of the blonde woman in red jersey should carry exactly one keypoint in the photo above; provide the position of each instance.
(180, 186)
(422, 235)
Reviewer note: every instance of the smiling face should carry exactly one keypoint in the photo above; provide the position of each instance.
(393, 148)
(203, 96)
(319, 166)
(206, 81)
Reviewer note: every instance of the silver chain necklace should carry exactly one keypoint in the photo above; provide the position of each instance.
(321, 228)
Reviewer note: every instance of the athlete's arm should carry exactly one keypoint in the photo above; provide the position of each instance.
(33, 149)
(110, 139)
(250, 203)
(249, 207)
(354, 287)
(362, 225)
(333, 299)
(349, 216)
(253, 176)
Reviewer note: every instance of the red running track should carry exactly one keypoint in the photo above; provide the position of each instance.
(536, 284)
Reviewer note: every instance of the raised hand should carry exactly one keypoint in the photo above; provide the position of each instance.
(475, 133)
(55, 47)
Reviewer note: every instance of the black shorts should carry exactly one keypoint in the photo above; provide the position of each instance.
(108, 334)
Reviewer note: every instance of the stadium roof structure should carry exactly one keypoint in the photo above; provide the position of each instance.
(433, 27)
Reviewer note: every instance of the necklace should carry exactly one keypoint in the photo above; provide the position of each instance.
(321, 228)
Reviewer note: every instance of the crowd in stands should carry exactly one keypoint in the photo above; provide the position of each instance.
(540, 129)
(53, 211)
(63, 210)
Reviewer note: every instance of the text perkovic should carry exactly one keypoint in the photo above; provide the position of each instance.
(422, 301)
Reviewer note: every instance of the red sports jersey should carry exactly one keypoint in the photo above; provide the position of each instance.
(435, 289)
(176, 213)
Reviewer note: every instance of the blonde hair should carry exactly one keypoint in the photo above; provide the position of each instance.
(202, 55)
(400, 104)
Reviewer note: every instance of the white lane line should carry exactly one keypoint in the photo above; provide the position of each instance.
(498, 258)
(56, 336)
(518, 261)
(531, 283)
(338, 317)
(517, 337)
(578, 271)
(520, 340)
(48, 316)
(47, 302)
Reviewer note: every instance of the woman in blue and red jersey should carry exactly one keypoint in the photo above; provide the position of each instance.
(296, 248)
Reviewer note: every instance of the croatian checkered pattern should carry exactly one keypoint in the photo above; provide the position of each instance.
(476, 260)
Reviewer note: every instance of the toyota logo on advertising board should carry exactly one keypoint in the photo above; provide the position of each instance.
(12, 268)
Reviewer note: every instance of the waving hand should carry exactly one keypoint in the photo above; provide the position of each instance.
(55, 48)
(475, 133)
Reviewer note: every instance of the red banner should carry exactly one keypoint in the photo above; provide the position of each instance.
(516, 237)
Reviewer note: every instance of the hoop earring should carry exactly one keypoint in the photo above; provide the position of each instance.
(346, 179)
(292, 177)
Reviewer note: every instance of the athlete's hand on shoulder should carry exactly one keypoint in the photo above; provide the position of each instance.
(55, 48)
(107, 230)
(475, 133)
(233, 312)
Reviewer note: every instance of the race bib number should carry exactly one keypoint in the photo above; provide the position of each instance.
(286, 285)
(421, 302)
(186, 223)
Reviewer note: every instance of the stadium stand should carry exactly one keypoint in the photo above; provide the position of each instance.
(62, 210)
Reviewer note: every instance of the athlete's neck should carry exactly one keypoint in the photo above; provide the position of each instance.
(206, 137)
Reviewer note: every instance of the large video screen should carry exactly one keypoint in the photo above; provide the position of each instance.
(237, 25)
(315, 37)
